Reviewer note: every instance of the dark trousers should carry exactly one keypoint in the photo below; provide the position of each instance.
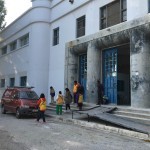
(80, 106)
(41, 115)
(67, 106)
(100, 99)
(76, 97)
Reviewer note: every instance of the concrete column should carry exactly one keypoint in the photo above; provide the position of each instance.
(71, 67)
(93, 71)
(140, 70)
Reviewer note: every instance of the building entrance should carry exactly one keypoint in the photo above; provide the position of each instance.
(116, 74)
(83, 72)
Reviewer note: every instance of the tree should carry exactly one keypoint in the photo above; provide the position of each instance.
(2, 15)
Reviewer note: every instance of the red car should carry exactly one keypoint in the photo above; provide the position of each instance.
(19, 100)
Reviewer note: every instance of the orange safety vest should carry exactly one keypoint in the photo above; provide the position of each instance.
(60, 100)
(42, 104)
(75, 88)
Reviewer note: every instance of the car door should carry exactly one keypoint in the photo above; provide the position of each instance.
(6, 99)
(15, 101)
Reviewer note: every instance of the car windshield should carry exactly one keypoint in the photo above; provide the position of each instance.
(28, 95)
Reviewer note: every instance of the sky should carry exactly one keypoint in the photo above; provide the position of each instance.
(15, 8)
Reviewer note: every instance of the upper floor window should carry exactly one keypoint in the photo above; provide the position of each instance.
(23, 81)
(113, 13)
(81, 26)
(12, 82)
(148, 6)
(4, 50)
(2, 83)
(56, 36)
(13, 45)
(24, 40)
(123, 10)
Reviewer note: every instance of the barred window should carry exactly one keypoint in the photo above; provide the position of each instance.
(11, 82)
(81, 26)
(113, 13)
(24, 40)
(56, 36)
(2, 83)
(4, 50)
(23, 81)
(148, 6)
(13, 45)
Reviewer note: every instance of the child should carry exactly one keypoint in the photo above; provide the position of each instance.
(52, 94)
(42, 107)
(80, 101)
(68, 99)
(59, 103)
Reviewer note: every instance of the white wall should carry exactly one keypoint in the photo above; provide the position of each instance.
(33, 59)
(64, 15)
(40, 61)
(136, 9)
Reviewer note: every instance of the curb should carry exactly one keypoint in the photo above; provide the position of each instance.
(125, 132)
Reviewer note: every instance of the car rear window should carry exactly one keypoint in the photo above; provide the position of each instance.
(28, 95)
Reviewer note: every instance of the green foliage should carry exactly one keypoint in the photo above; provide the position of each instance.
(2, 15)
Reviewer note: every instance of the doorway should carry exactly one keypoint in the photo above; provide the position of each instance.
(116, 74)
(83, 72)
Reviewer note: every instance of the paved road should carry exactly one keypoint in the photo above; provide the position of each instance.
(27, 134)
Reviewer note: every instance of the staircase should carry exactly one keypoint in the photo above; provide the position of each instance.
(136, 115)
(52, 107)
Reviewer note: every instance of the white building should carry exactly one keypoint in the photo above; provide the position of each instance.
(58, 41)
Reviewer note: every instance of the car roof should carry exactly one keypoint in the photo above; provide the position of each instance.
(20, 88)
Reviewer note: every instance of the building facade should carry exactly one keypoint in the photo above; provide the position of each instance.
(56, 42)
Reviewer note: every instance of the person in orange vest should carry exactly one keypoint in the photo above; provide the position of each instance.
(75, 91)
(59, 103)
(42, 107)
(80, 101)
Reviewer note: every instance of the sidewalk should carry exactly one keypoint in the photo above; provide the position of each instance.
(82, 120)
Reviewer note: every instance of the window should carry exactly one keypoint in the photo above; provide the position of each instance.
(4, 50)
(81, 26)
(2, 83)
(56, 36)
(148, 6)
(24, 40)
(28, 95)
(123, 10)
(12, 82)
(113, 13)
(13, 45)
(23, 81)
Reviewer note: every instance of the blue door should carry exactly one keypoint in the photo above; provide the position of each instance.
(83, 72)
(110, 74)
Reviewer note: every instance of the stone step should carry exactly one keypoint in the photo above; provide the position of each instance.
(73, 106)
(132, 114)
(135, 119)
(134, 110)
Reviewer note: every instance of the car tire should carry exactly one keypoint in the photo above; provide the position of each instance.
(18, 114)
(3, 109)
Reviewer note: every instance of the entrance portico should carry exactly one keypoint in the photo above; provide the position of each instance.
(130, 36)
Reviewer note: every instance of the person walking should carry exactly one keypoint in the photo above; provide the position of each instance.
(80, 101)
(59, 103)
(100, 91)
(68, 99)
(52, 94)
(42, 107)
(75, 92)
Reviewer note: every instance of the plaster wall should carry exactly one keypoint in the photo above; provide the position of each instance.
(31, 60)
(140, 69)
